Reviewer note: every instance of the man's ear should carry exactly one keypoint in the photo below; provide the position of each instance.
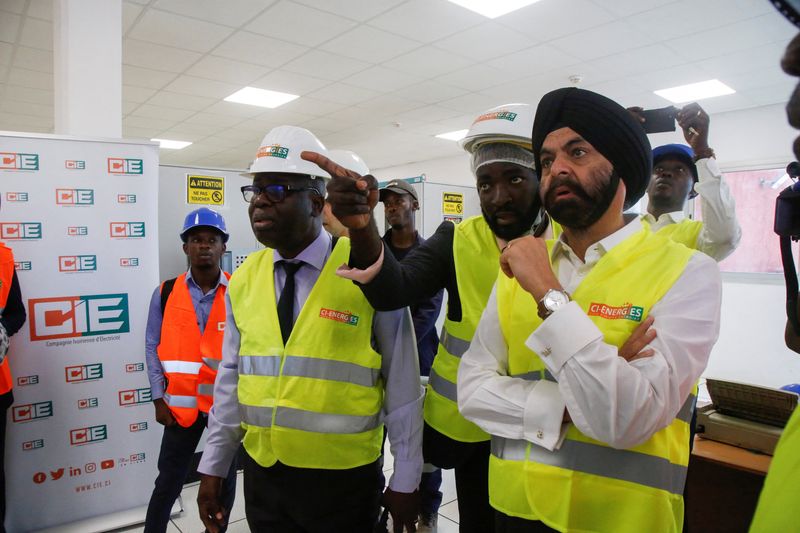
(317, 204)
(186, 248)
(414, 205)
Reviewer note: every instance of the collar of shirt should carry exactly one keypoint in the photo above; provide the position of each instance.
(674, 217)
(598, 249)
(221, 281)
(314, 255)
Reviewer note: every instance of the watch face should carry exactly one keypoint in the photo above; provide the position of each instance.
(555, 299)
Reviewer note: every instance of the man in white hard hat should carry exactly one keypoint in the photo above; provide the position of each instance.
(462, 258)
(310, 373)
(183, 346)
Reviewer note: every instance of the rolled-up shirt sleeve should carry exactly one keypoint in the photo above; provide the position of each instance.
(502, 405)
(224, 422)
(402, 406)
(721, 232)
(620, 403)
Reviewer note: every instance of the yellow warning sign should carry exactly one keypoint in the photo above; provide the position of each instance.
(452, 203)
(207, 190)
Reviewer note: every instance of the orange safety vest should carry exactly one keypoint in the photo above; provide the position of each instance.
(190, 359)
(6, 275)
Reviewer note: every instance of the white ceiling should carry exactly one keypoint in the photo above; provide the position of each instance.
(381, 77)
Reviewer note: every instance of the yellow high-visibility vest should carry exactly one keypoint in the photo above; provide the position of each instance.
(477, 262)
(685, 232)
(316, 402)
(587, 485)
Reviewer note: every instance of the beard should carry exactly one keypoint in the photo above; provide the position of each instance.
(522, 226)
(585, 207)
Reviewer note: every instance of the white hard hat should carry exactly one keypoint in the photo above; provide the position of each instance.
(280, 152)
(349, 160)
(505, 123)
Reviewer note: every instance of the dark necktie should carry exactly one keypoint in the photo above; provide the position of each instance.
(286, 301)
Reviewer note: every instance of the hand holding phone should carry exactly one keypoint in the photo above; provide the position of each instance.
(659, 120)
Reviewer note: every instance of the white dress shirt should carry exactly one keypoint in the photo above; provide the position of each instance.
(609, 399)
(721, 233)
(393, 338)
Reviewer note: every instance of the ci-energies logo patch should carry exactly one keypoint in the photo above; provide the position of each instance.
(78, 316)
(622, 312)
(345, 317)
(273, 150)
(497, 115)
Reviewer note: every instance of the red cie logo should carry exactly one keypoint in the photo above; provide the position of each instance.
(32, 445)
(135, 396)
(134, 367)
(22, 381)
(16, 197)
(20, 230)
(88, 435)
(122, 230)
(80, 373)
(118, 165)
(74, 197)
(32, 411)
(78, 231)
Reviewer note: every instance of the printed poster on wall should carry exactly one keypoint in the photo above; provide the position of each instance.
(205, 190)
(81, 218)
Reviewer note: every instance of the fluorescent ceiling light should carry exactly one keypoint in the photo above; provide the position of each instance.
(493, 8)
(260, 97)
(453, 135)
(695, 91)
(171, 145)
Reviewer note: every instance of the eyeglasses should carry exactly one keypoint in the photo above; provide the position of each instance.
(276, 193)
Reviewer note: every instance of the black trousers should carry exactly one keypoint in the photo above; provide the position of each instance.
(512, 524)
(283, 499)
(470, 460)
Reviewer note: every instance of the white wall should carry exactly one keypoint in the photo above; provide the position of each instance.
(750, 347)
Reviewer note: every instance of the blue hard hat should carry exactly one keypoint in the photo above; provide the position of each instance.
(681, 152)
(792, 387)
(204, 217)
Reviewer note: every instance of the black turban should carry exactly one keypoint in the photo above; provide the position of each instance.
(604, 124)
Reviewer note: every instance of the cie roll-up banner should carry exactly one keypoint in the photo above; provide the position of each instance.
(81, 217)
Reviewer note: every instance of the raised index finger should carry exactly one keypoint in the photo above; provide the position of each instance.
(325, 163)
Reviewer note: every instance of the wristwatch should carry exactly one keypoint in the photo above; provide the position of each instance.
(552, 301)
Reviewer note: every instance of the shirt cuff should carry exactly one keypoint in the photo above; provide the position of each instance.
(553, 347)
(707, 169)
(216, 461)
(542, 420)
(361, 276)
(406, 475)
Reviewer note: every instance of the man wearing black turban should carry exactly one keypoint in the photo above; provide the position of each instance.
(593, 430)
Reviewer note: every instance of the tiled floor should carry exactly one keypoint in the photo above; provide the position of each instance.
(189, 520)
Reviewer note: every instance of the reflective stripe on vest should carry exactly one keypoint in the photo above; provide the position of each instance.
(316, 401)
(183, 367)
(206, 389)
(173, 400)
(212, 363)
(308, 367)
(476, 259)
(640, 468)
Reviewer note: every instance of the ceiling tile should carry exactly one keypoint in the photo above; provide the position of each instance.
(431, 113)
(156, 56)
(202, 87)
(382, 79)
(235, 110)
(431, 92)
(13, 6)
(343, 93)
(129, 107)
(244, 138)
(136, 94)
(166, 113)
(625, 8)
(315, 125)
(130, 132)
(426, 20)
(478, 77)
(230, 12)
(388, 104)
(41, 9)
(130, 13)
(471, 104)
(776, 93)
(739, 36)
(211, 119)
(34, 59)
(605, 40)
(637, 60)
(534, 60)
(767, 56)
(428, 62)
(486, 41)
(27, 94)
(31, 78)
(9, 27)
(671, 77)
(369, 44)
(321, 64)
(360, 10)
(36, 34)
(154, 123)
(227, 70)
(5, 53)
(181, 101)
(224, 143)
(313, 106)
(290, 82)
(145, 77)
(299, 24)
(252, 48)
(27, 108)
(188, 133)
(27, 123)
(187, 33)
(550, 20)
